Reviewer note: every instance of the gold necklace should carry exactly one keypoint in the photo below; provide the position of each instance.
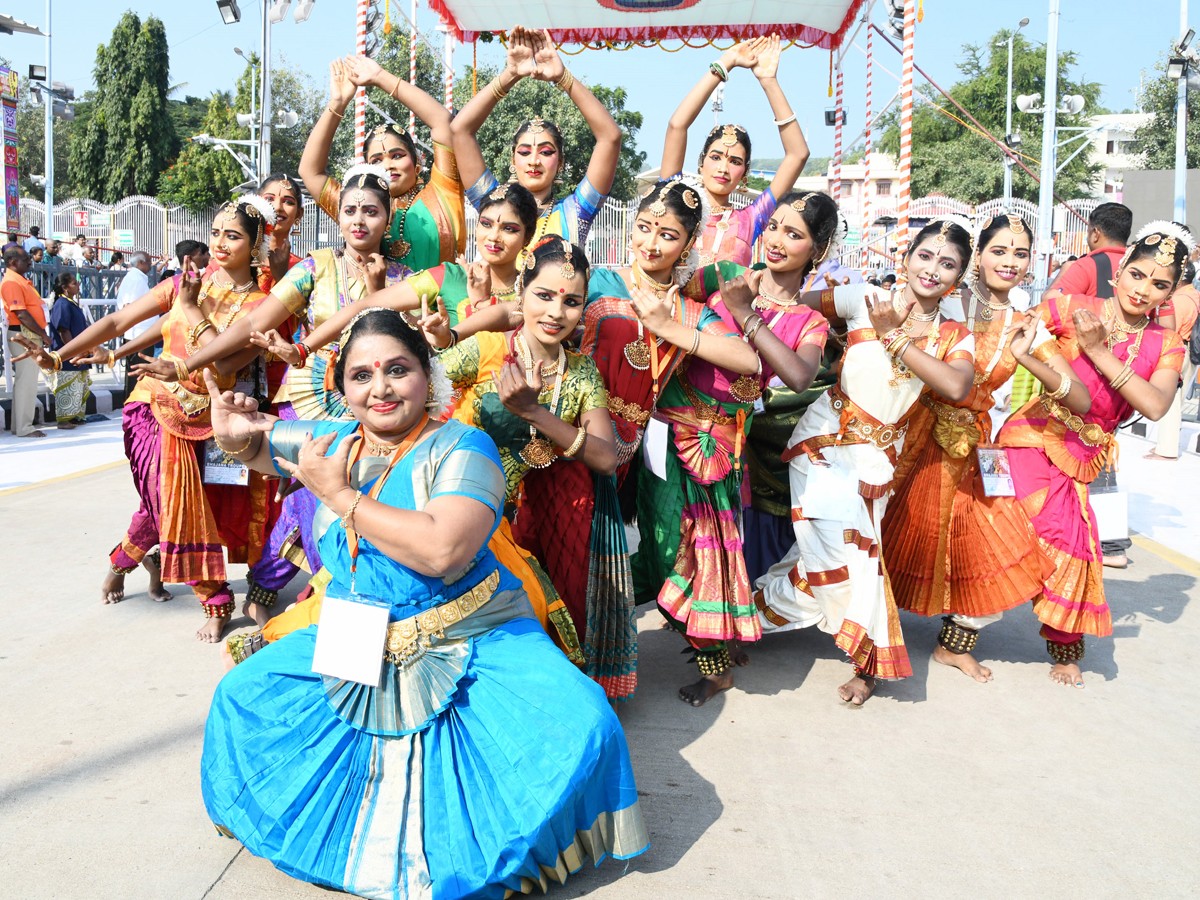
(378, 448)
(538, 453)
(901, 372)
(763, 294)
(400, 248)
(1118, 327)
(637, 351)
(986, 304)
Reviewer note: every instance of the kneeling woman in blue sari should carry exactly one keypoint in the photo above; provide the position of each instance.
(480, 761)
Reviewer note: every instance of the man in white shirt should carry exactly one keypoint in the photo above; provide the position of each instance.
(133, 286)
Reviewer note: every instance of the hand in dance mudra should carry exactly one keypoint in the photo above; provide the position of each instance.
(341, 88)
(520, 57)
(39, 354)
(766, 51)
(479, 281)
(654, 312)
(1022, 333)
(1090, 332)
(236, 418)
(273, 342)
(435, 325)
(520, 397)
(887, 311)
(739, 293)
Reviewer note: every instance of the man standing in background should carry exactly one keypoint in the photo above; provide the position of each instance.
(25, 314)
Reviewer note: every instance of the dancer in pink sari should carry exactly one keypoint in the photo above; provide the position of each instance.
(1128, 365)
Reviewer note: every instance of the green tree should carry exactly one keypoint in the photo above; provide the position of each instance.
(205, 175)
(128, 139)
(951, 159)
(291, 89)
(1156, 139)
(31, 146)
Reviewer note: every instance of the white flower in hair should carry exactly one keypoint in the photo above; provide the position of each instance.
(1168, 229)
(684, 272)
(358, 170)
(443, 390)
(264, 209)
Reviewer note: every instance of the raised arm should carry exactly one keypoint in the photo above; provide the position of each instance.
(1152, 396)
(314, 162)
(742, 55)
(953, 380)
(796, 368)
(606, 152)
(795, 147)
(398, 296)
(727, 352)
(365, 72)
(518, 63)
(106, 329)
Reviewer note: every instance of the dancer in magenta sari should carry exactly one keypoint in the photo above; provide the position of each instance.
(1128, 365)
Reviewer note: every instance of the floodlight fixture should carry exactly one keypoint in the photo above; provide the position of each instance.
(1177, 68)
(303, 10)
(230, 14)
(37, 73)
(278, 10)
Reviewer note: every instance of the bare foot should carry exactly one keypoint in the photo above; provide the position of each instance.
(964, 662)
(256, 611)
(700, 692)
(113, 588)
(158, 593)
(1067, 673)
(737, 653)
(1155, 455)
(66, 426)
(857, 690)
(213, 629)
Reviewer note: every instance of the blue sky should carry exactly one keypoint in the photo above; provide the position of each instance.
(1116, 44)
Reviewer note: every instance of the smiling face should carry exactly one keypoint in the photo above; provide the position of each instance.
(499, 234)
(228, 242)
(536, 159)
(658, 242)
(787, 241)
(553, 305)
(363, 219)
(393, 154)
(723, 167)
(1143, 284)
(288, 207)
(933, 270)
(1004, 262)
(384, 385)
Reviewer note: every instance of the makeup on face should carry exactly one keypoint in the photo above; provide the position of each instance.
(553, 305)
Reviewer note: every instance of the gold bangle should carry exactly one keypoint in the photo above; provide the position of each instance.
(497, 91)
(565, 82)
(55, 358)
(199, 329)
(330, 108)
(1122, 378)
(896, 348)
(234, 452)
(181, 370)
(695, 342)
(577, 444)
(349, 516)
(392, 93)
(751, 326)
(112, 357)
(1064, 388)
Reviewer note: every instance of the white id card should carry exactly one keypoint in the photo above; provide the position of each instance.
(350, 638)
(830, 492)
(997, 476)
(221, 468)
(655, 445)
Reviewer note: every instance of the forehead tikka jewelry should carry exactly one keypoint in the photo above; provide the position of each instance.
(659, 206)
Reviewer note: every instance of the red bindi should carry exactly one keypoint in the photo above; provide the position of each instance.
(377, 364)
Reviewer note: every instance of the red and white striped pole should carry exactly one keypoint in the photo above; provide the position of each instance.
(412, 60)
(865, 199)
(835, 187)
(360, 96)
(448, 66)
(906, 120)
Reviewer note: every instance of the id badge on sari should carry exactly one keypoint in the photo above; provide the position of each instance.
(350, 638)
(995, 471)
(221, 468)
(655, 443)
(830, 492)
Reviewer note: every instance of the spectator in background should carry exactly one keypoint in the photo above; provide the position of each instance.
(888, 281)
(196, 251)
(36, 255)
(12, 242)
(74, 252)
(34, 240)
(87, 257)
(53, 254)
(26, 314)
(1109, 226)
(134, 285)
(116, 262)
(72, 384)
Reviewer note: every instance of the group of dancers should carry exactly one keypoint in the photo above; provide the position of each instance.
(466, 441)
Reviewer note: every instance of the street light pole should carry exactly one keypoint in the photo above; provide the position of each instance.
(1181, 127)
(1045, 231)
(1008, 163)
(264, 133)
(253, 112)
(49, 138)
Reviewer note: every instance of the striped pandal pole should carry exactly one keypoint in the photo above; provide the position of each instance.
(412, 60)
(835, 187)
(360, 96)
(906, 119)
(448, 65)
(865, 200)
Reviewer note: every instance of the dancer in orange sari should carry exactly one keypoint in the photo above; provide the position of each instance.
(950, 549)
(1128, 365)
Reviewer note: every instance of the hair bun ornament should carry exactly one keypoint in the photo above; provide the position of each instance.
(264, 210)
(1167, 230)
(363, 171)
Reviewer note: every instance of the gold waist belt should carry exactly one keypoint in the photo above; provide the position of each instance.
(408, 639)
(630, 412)
(955, 414)
(1089, 432)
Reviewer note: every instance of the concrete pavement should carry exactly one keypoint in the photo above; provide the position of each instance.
(938, 787)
